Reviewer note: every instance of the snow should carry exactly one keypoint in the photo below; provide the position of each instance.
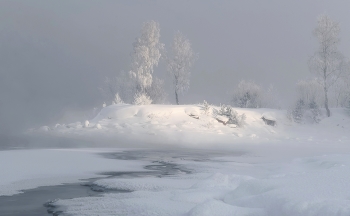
(27, 169)
(305, 186)
(288, 169)
(143, 184)
(223, 119)
(269, 116)
(190, 126)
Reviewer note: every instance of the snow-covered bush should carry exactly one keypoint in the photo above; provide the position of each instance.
(315, 112)
(306, 113)
(247, 95)
(310, 98)
(250, 95)
(117, 99)
(310, 92)
(236, 119)
(142, 99)
(206, 107)
(233, 116)
(298, 111)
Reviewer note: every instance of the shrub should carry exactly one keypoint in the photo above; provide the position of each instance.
(117, 99)
(303, 112)
(251, 95)
(247, 95)
(206, 108)
(142, 99)
(233, 116)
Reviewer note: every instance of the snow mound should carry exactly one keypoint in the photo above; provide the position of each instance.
(190, 125)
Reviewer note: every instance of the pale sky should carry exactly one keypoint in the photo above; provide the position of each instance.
(55, 54)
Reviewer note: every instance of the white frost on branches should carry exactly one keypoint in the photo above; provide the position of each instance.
(117, 99)
(147, 52)
(180, 64)
(142, 99)
(327, 63)
(248, 94)
(232, 115)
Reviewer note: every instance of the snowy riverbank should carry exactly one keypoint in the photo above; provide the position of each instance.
(192, 126)
(256, 169)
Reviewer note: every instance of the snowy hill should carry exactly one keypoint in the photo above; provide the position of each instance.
(192, 125)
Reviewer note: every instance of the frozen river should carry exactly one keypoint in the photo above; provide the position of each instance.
(40, 200)
(173, 182)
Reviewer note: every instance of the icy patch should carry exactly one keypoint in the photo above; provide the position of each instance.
(144, 184)
(27, 169)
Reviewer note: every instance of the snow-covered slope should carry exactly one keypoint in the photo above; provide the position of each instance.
(190, 125)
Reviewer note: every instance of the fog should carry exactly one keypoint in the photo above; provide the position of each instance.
(55, 54)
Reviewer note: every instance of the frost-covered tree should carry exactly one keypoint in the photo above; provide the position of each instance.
(247, 95)
(341, 91)
(327, 62)
(147, 50)
(180, 64)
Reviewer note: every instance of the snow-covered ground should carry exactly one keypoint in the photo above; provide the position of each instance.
(224, 185)
(262, 170)
(190, 126)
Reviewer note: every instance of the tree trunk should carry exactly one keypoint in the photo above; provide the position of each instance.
(325, 87)
(326, 101)
(177, 98)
